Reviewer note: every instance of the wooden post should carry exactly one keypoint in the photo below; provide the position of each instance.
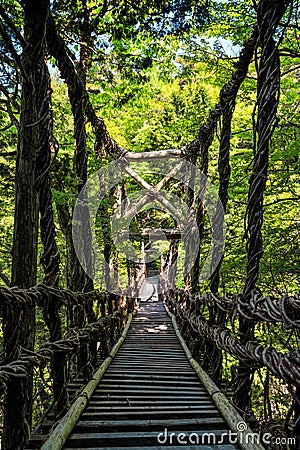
(147, 156)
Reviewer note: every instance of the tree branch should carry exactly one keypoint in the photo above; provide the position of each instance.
(11, 48)
(11, 25)
(104, 143)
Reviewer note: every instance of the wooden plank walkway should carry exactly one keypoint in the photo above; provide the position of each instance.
(149, 395)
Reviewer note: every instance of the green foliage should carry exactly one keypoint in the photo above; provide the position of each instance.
(159, 114)
(238, 28)
(7, 167)
(120, 19)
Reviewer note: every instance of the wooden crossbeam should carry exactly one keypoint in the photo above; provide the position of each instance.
(147, 156)
(169, 233)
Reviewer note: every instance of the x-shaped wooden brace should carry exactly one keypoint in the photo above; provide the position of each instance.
(153, 192)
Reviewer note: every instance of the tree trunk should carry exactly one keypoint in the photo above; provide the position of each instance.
(20, 330)
(78, 103)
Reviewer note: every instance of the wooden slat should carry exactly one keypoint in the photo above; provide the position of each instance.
(165, 413)
(149, 424)
(147, 156)
(84, 440)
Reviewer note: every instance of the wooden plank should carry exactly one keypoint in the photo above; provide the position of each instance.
(147, 156)
(81, 440)
(151, 413)
(152, 376)
(150, 408)
(168, 234)
(187, 423)
(119, 396)
(151, 402)
(172, 390)
(150, 353)
(152, 423)
(160, 370)
(36, 444)
(148, 382)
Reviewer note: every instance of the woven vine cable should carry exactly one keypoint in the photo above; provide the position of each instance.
(44, 297)
(284, 366)
(269, 14)
(285, 309)
(228, 97)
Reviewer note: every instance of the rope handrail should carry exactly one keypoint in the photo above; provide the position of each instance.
(282, 365)
(216, 337)
(74, 339)
(83, 327)
(285, 309)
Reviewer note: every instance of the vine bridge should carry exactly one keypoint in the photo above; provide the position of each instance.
(144, 368)
(126, 379)
(149, 387)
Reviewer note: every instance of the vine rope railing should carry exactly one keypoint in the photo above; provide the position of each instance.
(89, 324)
(285, 309)
(191, 312)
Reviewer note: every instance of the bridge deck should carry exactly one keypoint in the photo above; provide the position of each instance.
(149, 395)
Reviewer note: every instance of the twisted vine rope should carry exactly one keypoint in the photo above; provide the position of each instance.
(285, 309)
(107, 327)
(283, 365)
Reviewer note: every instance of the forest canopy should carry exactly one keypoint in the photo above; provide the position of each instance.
(153, 71)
